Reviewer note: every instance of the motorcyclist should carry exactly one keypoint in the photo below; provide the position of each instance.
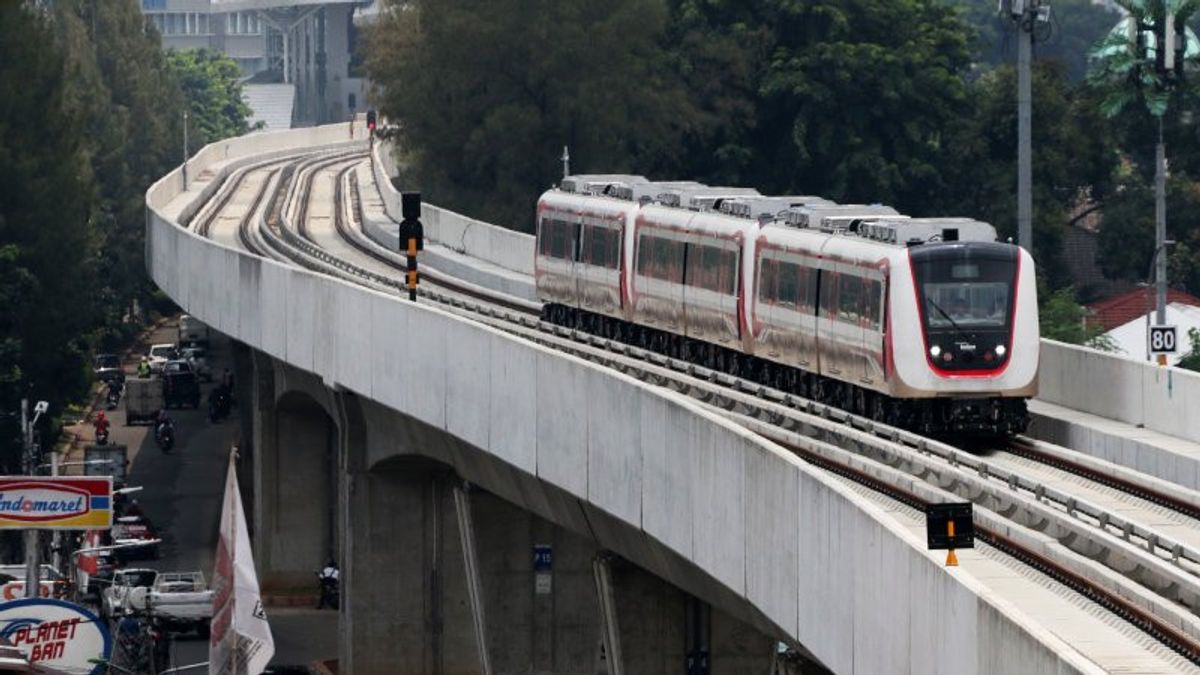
(101, 425)
(163, 423)
(328, 578)
(143, 367)
(114, 388)
(129, 627)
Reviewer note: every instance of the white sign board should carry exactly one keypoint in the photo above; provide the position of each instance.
(1163, 340)
(56, 634)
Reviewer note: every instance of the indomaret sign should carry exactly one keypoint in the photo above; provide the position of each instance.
(240, 642)
(64, 503)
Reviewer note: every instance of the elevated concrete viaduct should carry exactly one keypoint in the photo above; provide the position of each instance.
(412, 404)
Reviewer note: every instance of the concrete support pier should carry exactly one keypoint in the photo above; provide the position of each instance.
(407, 605)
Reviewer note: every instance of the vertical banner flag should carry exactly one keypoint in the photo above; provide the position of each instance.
(240, 642)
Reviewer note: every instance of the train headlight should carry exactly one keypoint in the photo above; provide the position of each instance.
(1000, 350)
(935, 351)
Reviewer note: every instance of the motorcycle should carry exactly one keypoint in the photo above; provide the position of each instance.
(330, 594)
(218, 405)
(165, 436)
(113, 398)
(102, 435)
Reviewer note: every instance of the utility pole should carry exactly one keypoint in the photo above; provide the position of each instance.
(185, 148)
(32, 538)
(1027, 14)
(1160, 229)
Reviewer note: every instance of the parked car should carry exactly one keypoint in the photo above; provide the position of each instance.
(12, 582)
(180, 601)
(107, 367)
(160, 354)
(197, 357)
(114, 599)
(133, 529)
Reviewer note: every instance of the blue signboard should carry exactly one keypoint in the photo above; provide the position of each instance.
(543, 558)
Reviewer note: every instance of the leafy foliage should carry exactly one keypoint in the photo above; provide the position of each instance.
(1062, 318)
(1075, 155)
(489, 92)
(1191, 360)
(211, 83)
(90, 115)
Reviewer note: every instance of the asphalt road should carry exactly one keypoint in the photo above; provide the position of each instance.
(181, 495)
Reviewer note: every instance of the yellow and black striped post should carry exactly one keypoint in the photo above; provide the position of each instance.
(412, 238)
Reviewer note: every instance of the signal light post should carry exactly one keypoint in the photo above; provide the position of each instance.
(412, 237)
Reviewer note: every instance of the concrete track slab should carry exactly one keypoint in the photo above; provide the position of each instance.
(1170, 458)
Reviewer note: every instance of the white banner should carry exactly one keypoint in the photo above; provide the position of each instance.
(240, 642)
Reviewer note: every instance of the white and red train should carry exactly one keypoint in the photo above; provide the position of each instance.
(925, 323)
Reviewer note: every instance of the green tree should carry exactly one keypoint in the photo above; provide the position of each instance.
(487, 93)
(1062, 318)
(212, 85)
(1074, 156)
(46, 245)
(843, 99)
(1191, 360)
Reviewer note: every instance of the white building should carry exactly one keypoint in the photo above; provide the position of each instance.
(307, 44)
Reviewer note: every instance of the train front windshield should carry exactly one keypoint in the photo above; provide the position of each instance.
(966, 295)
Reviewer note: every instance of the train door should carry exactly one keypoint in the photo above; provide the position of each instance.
(874, 299)
(830, 344)
(851, 322)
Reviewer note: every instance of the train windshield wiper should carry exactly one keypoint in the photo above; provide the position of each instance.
(957, 328)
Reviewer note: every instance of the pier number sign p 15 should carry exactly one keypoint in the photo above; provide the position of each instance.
(56, 503)
(1163, 340)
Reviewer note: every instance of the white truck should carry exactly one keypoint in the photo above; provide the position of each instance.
(116, 597)
(192, 331)
(143, 400)
(179, 601)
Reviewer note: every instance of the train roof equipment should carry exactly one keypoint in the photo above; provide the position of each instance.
(836, 217)
(596, 183)
(758, 207)
(915, 231)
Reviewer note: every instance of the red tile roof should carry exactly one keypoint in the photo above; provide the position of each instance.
(1121, 309)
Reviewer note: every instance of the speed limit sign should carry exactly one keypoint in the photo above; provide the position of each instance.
(1162, 340)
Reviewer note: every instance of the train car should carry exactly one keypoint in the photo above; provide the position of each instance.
(924, 323)
(883, 317)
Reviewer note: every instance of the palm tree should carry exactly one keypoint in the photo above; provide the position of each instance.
(1125, 61)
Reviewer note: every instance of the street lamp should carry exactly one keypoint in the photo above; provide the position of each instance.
(55, 466)
(1162, 305)
(32, 554)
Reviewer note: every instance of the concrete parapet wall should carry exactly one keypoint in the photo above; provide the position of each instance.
(826, 567)
(1120, 388)
(500, 246)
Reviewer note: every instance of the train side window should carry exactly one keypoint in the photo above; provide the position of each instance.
(789, 277)
(850, 292)
(808, 289)
(599, 249)
(768, 278)
(545, 231)
(828, 294)
(644, 254)
(660, 258)
(873, 304)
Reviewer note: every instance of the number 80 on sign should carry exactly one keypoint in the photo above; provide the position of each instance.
(1162, 340)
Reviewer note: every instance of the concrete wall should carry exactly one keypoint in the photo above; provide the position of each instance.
(824, 566)
(1121, 388)
(506, 248)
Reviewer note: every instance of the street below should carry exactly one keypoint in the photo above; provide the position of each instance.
(181, 496)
